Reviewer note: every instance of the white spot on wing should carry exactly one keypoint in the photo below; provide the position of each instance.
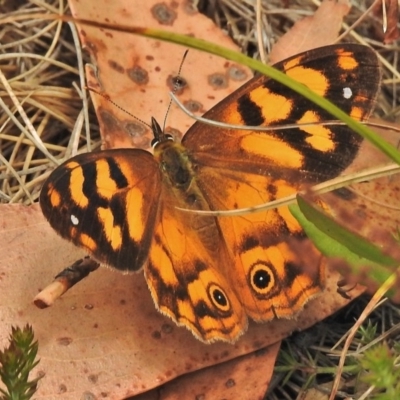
(347, 93)
(74, 220)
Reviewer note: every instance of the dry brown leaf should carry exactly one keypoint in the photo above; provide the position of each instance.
(247, 377)
(320, 29)
(386, 26)
(374, 205)
(392, 31)
(371, 209)
(136, 72)
(105, 335)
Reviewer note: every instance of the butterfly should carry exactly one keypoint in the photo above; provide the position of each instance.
(209, 273)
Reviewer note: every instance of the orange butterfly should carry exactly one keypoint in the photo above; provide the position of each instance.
(211, 273)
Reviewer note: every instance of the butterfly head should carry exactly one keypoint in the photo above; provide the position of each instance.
(159, 135)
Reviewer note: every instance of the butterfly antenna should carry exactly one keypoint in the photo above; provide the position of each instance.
(177, 85)
(107, 97)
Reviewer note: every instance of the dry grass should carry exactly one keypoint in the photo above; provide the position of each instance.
(41, 75)
(39, 93)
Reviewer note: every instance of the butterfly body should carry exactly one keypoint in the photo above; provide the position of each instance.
(210, 273)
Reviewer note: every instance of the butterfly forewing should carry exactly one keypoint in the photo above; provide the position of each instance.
(106, 202)
(347, 75)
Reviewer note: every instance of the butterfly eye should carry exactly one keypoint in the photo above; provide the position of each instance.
(218, 297)
(157, 141)
(261, 278)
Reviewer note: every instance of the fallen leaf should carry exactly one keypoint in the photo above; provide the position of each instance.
(317, 30)
(136, 72)
(376, 202)
(387, 23)
(247, 376)
(105, 336)
(371, 209)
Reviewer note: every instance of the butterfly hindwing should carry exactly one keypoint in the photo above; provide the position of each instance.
(277, 269)
(106, 202)
(186, 276)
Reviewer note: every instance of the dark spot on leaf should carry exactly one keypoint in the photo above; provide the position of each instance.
(64, 341)
(230, 383)
(177, 84)
(163, 14)
(93, 378)
(62, 388)
(193, 106)
(138, 75)
(236, 73)
(135, 129)
(167, 329)
(116, 67)
(156, 335)
(88, 396)
(218, 81)
(109, 122)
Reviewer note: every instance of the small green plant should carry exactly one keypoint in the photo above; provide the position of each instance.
(16, 362)
(368, 332)
(382, 370)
